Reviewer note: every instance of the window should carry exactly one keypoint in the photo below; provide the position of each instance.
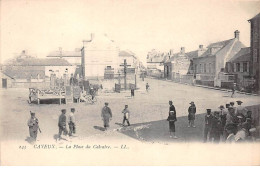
(238, 67)
(235, 67)
(196, 71)
(245, 67)
(200, 68)
(209, 67)
(205, 68)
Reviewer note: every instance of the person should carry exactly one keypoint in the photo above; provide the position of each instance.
(208, 121)
(147, 87)
(72, 80)
(106, 115)
(132, 92)
(243, 133)
(33, 124)
(231, 131)
(233, 89)
(191, 115)
(72, 122)
(223, 117)
(240, 109)
(172, 119)
(62, 124)
(216, 127)
(232, 104)
(126, 113)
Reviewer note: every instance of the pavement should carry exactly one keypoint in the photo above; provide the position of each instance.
(149, 111)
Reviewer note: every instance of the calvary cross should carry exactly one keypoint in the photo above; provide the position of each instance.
(125, 72)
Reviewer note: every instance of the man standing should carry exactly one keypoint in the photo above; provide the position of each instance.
(126, 113)
(223, 117)
(106, 115)
(191, 116)
(233, 89)
(208, 121)
(172, 119)
(132, 92)
(72, 122)
(216, 127)
(33, 124)
(240, 109)
(62, 124)
(147, 87)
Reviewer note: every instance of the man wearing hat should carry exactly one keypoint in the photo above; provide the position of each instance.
(172, 119)
(216, 127)
(240, 109)
(62, 123)
(126, 113)
(208, 121)
(191, 115)
(106, 115)
(72, 122)
(223, 117)
(33, 124)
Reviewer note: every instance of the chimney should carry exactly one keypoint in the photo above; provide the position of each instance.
(200, 47)
(182, 50)
(237, 34)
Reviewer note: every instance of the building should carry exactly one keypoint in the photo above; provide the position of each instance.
(255, 46)
(73, 57)
(36, 72)
(209, 67)
(181, 64)
(131, 59)
(155, 63)
(6, 80)
(100, 57)
(239, 66)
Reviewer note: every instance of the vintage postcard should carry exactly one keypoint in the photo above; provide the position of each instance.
(130, 83)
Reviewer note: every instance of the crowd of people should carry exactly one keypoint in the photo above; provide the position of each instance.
(227, 124)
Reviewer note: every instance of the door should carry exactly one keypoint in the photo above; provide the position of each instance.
(4, 83)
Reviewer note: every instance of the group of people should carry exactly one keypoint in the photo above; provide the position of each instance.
(229, 124)
(106, 115)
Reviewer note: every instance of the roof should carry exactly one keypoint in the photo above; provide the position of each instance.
(6, 74)
(126, 53)
(65, 54)
(257, 16)
(24, 72)
(219, 44)
(242, 55)
(42, 62)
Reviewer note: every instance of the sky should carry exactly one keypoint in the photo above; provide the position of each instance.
(42, 26)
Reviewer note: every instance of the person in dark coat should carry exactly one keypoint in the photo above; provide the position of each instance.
(208, 121)
(147, 87)
(33, 124)
(216, 127)
(172, 119)
(106, 115)
(191, 116)
(62, 124)
(132, 92)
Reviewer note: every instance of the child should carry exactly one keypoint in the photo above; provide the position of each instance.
(172, 118)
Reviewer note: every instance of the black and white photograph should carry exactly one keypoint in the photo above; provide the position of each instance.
(129, 83)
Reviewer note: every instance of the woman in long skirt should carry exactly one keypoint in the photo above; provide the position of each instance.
(172, 118)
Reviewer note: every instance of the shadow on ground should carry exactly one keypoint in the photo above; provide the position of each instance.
(158, 131)
(99, 128)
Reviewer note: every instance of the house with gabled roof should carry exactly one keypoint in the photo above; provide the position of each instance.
(209, 68)
(180, 64)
